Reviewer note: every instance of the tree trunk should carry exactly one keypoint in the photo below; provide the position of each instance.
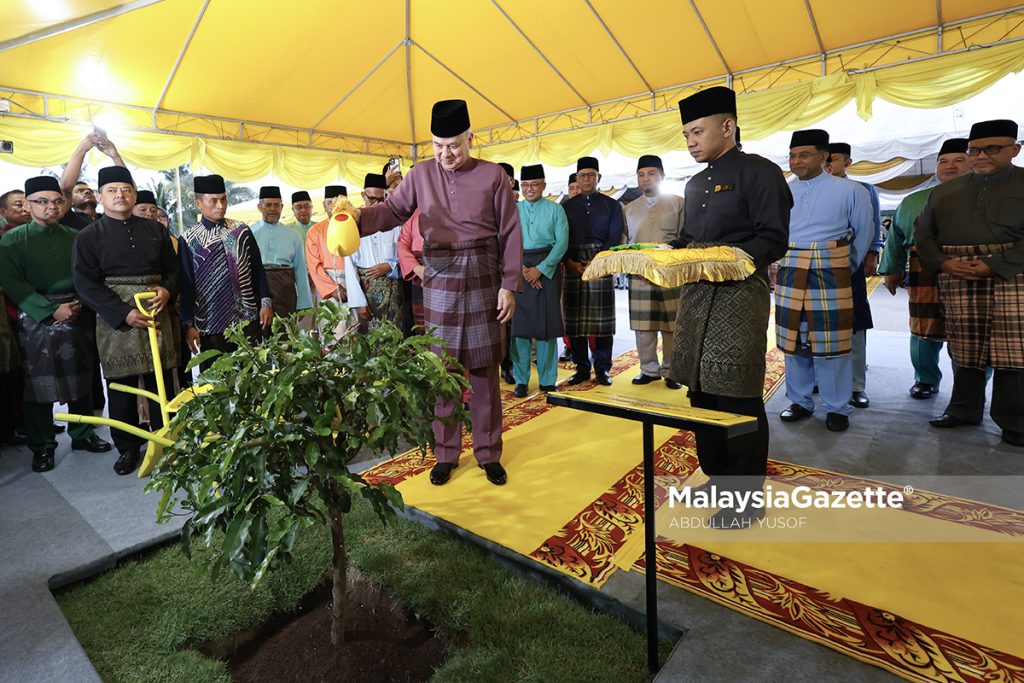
(338, 582)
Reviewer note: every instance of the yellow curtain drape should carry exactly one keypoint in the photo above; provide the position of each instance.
(930, 83)
(873, 167)
(939, 82)
(927, 84)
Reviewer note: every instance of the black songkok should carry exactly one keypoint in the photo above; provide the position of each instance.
(535, 172)
(954, 146)
(375, 180)
(999, 128)
(115, 174)
(209, 184)
(707, 102)
(587, 162)
(332, 191)
(813, 137)
(42, 183)
(270, 192)
(145, 197)
(650, 161)
(449, 118)
(300, 196)
(840, 148)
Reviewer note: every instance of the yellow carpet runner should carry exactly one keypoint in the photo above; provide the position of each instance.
(943, 611)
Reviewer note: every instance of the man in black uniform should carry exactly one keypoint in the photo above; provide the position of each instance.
(116, 257)
(740, 200)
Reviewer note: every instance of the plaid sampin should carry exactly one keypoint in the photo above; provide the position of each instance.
(985, 317)
(813, 285)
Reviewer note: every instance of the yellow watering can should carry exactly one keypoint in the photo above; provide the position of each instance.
(158, 440)
(343, 231)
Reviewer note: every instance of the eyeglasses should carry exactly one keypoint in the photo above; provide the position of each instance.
(989, 150)
(374, 200)
(586, 174)
(46, 202)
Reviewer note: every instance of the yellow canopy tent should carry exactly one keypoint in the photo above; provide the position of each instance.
(313, 91)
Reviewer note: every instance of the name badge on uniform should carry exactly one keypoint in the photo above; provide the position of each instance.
(725, 187)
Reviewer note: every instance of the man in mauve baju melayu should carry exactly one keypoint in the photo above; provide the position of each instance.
(473, 255)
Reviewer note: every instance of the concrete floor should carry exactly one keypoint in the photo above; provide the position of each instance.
(81, 518)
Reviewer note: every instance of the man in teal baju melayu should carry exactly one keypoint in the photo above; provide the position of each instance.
(284, 256)
(538, 312)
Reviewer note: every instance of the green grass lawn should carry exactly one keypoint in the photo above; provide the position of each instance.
(137, 621)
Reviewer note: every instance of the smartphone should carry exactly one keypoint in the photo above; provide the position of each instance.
(394, 163)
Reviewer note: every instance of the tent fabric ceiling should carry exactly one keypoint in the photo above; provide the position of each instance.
(370, 71)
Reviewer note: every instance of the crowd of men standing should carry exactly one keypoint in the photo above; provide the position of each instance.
(453, 246)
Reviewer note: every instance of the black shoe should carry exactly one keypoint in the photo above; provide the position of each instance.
(794, 413)
(43, 461)
(672, 384)
(644, 379)
(566, 356)
(837, 422)
(58, 428)
(548, 387)
(603, 378)
(93, 444)
(442, 472)
(947, 421)
(495, 473)
(520, 391)
(859, 400)
(922, 390)
(579, 377)
(1013, 438)
(127, 463)
(730, 520)
(506, 374)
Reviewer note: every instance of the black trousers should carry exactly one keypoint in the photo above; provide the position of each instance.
(602, 353)
(12, 393)
(744, 459)
(967, 401)
(184, 376)
(125, 407)
(219, 342)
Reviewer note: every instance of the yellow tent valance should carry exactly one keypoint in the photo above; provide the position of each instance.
(926, 84)
(44, 143)
(929, 83)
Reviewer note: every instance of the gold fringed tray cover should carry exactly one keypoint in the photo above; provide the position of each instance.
(673, 267)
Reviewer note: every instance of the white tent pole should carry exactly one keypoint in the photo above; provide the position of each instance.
(548, 61)
(181, 210)
(74, 24)
(177, 64)
(408, 75)
(626, 54)
(357, 85)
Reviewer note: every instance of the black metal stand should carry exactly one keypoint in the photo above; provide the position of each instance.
(651, 413)
(652, 561)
